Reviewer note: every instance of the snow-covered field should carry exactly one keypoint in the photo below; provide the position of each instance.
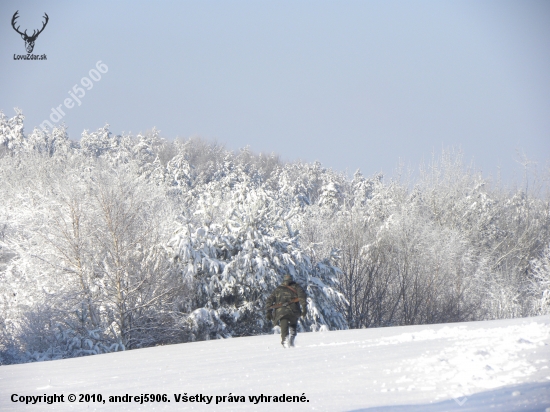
(499, 365)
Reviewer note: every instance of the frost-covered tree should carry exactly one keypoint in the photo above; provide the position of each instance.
(12, 137)
(540, 283)
(49, 141)
(94, 238)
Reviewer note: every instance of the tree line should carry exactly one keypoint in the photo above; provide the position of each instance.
(118, 242)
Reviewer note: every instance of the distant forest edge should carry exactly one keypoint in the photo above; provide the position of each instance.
(121, 242)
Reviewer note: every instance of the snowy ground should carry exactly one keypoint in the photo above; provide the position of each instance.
(479, 366)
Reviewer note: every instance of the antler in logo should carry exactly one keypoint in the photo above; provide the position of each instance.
(29, 40)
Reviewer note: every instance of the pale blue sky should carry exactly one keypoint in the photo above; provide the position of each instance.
(353, 84)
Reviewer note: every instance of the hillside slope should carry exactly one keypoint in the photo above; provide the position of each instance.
(460, 366)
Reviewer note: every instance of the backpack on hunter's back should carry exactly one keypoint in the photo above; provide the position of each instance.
(287, 295)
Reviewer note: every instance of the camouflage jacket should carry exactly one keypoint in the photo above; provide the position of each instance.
(284, 294)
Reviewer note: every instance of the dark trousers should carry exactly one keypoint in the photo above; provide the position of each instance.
(288, 323)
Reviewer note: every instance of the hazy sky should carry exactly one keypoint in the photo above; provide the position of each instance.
(353, 84)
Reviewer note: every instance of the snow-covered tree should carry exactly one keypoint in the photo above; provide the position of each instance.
(236, 252)
(12, 137)
(540, 284)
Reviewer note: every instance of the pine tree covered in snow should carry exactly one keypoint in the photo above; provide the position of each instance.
(236, 248)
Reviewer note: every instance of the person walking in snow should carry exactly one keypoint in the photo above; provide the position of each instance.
(284, 307)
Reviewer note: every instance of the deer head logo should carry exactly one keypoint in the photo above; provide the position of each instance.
(29, 40)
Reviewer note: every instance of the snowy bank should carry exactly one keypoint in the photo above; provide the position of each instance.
(500, 365)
